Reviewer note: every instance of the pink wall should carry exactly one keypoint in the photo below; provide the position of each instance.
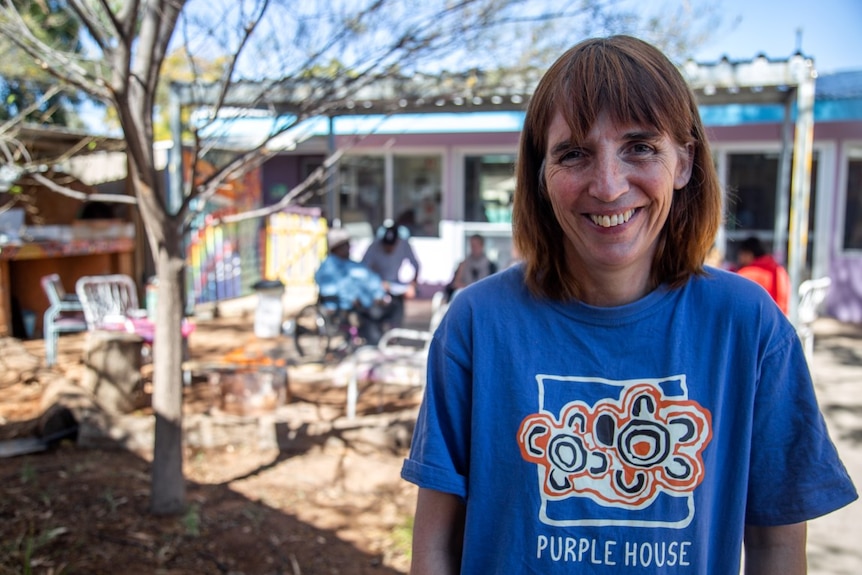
(436, 140)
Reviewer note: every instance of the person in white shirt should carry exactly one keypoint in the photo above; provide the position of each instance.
(385, 257)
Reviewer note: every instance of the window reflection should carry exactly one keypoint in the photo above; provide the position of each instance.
(361, 187)
(489, 186)
(417, 193)
(853, 201)
(751, 199)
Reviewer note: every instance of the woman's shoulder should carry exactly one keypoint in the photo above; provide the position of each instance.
(719, 281)
(507, 280)
(499, 289)
(730, 293)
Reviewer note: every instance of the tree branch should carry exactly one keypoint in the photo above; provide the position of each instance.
(22, 115)
(246, 36)
(61, 65)
(83, 196)
(91, 22)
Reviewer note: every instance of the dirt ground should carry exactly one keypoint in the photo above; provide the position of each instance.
(332, 505)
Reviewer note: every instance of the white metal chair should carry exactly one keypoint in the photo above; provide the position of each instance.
(65, 314)
(811, 295)
(108, 300)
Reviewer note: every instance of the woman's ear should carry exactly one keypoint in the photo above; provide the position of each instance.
(684, 166)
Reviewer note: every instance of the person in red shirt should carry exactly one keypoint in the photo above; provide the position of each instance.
(760, 267)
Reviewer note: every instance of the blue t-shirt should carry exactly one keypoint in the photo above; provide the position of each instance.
(634, 439)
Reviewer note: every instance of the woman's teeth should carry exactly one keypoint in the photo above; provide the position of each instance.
(614, 220)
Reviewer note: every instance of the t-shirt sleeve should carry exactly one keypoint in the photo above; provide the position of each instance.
(439, 454)
(796, 474)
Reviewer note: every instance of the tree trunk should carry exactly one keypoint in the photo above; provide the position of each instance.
(168, 482)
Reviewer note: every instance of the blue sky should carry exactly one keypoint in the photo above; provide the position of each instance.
(831, 32)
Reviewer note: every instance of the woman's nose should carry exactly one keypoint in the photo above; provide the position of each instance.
(610, 178)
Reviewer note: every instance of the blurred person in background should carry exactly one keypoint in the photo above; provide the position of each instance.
(474, 267)
(348, 285)
(761, 268)
(385, 256)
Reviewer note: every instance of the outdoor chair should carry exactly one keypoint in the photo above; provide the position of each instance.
(811, 295)
(400, 358)
(109, 301)
(65, 314)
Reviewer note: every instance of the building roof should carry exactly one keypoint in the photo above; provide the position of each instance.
(840, 85)
(49, 142)
(93, 159)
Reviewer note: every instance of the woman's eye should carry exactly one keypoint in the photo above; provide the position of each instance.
(571, 156)
(641, 148)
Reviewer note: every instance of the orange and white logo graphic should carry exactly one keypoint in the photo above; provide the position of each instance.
(624, 452)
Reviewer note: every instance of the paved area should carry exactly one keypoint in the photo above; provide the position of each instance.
(835, 541)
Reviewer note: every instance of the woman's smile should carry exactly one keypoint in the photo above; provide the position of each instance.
(613, 220)
(611, 194)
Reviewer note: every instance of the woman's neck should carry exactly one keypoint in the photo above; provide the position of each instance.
(611, 288)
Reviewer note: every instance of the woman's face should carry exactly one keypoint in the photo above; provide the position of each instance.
(612, 193)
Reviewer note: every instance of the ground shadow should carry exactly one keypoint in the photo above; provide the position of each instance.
(81, 510)
(843, 350)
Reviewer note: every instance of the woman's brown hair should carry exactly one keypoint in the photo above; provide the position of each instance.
(634, 82)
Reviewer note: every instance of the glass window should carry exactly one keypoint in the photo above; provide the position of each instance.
(417, 193)
(489, 186)
(853, 201)
(361, 189)
(752, 181)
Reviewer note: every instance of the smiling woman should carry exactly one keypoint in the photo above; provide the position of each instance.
(630, 406)
(611, 195)
(642, 96)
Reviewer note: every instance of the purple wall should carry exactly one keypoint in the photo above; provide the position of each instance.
(284, 172)
(425, 140)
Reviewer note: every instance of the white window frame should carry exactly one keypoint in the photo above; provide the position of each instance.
(388, 154)
(459, 157)
(825, 152)
(841, 199)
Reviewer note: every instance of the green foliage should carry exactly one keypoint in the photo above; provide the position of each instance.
(22, 551)
(180, 66)
(112, 501)
(23, 81)
(28, 472)
(192, 521)
(402, 536)
(333, 69)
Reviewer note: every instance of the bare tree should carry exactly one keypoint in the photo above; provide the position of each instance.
(335, 48)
